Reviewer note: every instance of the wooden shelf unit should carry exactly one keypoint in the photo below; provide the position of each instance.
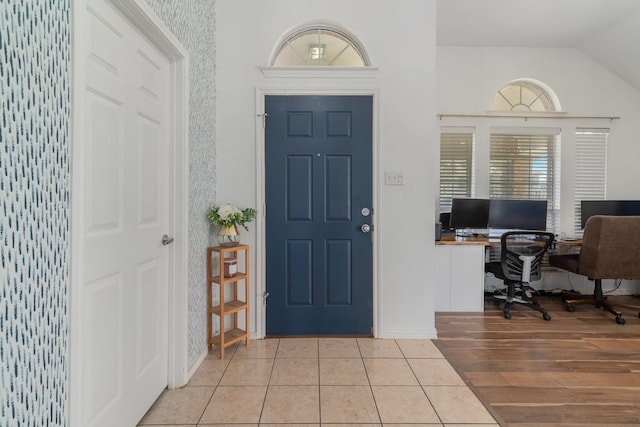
(234, 305)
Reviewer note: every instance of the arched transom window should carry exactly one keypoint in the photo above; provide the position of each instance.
(524, 95)
(320, 45)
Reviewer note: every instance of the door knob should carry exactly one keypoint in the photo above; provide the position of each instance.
(365, 228)
(166, 240)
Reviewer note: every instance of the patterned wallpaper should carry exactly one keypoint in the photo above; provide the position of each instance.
(193, 24)
(34, 211)
(34, 196)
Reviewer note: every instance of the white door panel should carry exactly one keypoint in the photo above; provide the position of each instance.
(149, 173)
(126, 195)
(102, 345)
(103, 160)
(147, 316)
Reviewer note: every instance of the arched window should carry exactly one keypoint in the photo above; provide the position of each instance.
(525, 95)
(320, 45)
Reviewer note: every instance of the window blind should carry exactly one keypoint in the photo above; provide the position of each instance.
(590, 169)
(524, 164)
(456, 165)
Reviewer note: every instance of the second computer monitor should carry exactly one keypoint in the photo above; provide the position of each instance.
(518, 214)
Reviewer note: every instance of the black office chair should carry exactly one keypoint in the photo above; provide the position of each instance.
(520, 263)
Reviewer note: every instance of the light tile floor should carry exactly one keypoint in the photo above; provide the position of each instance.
(314, 381)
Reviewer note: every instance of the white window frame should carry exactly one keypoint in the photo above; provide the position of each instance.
(590, 169)
(449, 138)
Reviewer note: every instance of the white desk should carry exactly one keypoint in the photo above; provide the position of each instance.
(459, 272)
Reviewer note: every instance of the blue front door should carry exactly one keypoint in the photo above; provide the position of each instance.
(318, 159)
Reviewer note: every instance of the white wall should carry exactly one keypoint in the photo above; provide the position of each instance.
(469, 77)
(400, 41)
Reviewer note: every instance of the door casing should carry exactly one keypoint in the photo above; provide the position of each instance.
(143, 18)
(260, 273)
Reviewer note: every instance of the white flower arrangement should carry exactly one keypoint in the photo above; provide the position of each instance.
(227, 215)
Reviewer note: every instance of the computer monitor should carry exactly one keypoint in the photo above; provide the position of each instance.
(589, 208)
(469, 213)
(518, 214)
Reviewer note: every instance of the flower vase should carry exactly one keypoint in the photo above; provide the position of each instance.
(228, 236)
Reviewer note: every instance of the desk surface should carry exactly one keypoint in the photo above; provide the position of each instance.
(452, 239)
(569, 242)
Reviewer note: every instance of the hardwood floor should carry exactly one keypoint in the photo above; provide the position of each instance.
(578, 369)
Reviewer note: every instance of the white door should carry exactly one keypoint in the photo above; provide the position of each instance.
(125, 191)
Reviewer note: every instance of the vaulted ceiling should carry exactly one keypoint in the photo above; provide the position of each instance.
(606, 30)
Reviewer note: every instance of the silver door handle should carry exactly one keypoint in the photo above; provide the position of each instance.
(365, 228)
(166, 240)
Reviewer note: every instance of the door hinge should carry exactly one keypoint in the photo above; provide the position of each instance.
(265, 295)
(264, 119)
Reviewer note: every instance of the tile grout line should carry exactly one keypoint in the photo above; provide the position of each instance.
(215, 388)
(273, 365)
(319, 390)
(375, 402)
(420, 384)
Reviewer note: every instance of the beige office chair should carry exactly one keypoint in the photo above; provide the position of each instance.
(610, 250)
(520, 264)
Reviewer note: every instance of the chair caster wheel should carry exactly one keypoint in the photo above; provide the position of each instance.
(570, 309)
(546, 316)
(507, 315)
(620, 320)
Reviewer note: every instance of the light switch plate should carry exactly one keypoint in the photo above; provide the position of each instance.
(394, 178)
